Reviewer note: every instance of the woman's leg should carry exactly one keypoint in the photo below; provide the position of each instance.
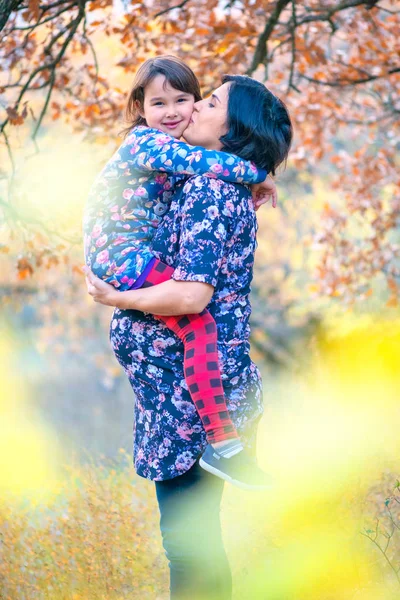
(199, 336)
(191, 531)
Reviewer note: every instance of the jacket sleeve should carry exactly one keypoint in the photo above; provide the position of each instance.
(149, 149)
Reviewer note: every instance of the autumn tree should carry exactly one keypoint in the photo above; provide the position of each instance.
(334, 63)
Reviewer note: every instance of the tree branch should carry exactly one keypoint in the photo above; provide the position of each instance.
(345, 82)
(293, 41)
(261, 54)
(327, 16)
(93, 51)
(261, 49)
(30, 28)
(166, 10)
(73, 26)
(6, 8)
(43, 111)
(366, 122)
(384, 554)
(9, 151)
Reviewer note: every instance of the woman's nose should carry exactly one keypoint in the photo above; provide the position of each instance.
(197, 105)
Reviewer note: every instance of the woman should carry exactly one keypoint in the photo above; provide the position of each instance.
(209, 237)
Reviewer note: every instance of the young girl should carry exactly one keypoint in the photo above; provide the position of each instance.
(126, 204)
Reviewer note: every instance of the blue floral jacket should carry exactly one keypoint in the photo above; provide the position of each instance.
(134, 190)
(208, 235)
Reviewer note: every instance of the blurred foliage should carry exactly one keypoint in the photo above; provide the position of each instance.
(335, 64)
(325, 300)
(28, 450)
(96, 537)
(48, 291)
(328, 531)
(65, 70)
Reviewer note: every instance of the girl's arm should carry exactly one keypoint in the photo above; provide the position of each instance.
(198, 262)
(153, 150)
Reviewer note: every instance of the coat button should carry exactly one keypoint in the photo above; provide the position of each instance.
(160, 209)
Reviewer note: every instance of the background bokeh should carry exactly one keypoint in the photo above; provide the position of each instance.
(75, 521)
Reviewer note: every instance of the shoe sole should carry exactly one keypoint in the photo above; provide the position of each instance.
(244, 486)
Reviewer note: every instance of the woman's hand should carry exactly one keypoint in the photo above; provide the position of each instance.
(101, 292)
(263, 192)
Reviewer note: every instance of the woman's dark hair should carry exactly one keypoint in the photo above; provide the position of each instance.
(259, 126)
(176, 73)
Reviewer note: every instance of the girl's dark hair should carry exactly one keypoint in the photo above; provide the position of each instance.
(176, 73)
(259, 126)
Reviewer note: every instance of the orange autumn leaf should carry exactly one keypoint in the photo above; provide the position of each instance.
(34, 9)
(24, 268)
(15, 117)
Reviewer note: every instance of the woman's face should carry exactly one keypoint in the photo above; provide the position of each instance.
(209, 120)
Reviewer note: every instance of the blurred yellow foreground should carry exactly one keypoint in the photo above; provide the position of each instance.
(329, 531)
(330, 436)
(29, 452)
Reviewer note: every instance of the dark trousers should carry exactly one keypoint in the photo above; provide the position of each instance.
(191, 531)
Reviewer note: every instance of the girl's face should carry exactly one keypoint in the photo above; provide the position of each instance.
(166, 108)
(209, 120)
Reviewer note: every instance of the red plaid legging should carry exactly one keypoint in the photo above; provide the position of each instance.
(200, 362)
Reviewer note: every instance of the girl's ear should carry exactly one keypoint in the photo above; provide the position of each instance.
(139, 108)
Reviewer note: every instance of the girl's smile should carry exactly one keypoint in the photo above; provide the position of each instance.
(172, 124)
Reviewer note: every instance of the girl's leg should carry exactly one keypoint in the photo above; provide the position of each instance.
(191, 531)
(224, 456)
(199, 336)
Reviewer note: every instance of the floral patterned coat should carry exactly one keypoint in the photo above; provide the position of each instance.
(207, 235)
(134, 190)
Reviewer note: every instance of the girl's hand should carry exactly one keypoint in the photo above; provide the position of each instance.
(263, 192)
(101, 292)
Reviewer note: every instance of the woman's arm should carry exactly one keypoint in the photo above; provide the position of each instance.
(171, 298)
(153, 150)
(200, 256)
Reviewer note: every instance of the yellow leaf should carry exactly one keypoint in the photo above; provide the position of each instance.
(393, 302)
